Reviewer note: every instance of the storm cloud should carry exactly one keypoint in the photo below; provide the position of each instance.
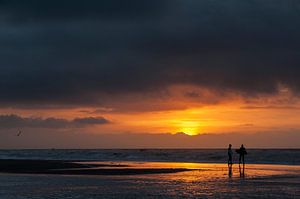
(15, 121)
(76, 52)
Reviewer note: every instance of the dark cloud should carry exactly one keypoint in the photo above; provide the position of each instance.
(192, 94)
(15, 121)
(75, 52)
(271, 107)
(246, 125)
(90, 120)
(55, 10)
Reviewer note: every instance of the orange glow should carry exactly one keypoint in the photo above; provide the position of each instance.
(181, 115)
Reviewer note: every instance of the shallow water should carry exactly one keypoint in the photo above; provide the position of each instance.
(257, 156)
(211, 181)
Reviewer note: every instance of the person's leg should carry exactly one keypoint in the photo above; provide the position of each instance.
(229, 159)
(230, 171)
(243, 159)
(240, 157)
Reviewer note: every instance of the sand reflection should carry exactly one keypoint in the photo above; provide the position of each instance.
(207, 171)
(242, 170)
(229, 170)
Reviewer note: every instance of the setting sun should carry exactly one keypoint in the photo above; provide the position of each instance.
(189, 127)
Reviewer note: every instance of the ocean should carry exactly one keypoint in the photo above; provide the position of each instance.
(269, 173)
(254, 156)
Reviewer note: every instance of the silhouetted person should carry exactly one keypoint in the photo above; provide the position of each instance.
(229, 152)
(242, 152)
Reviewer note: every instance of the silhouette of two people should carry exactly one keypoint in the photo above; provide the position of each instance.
(242, 152)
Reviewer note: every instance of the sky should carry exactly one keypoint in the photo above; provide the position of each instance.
(159, 73)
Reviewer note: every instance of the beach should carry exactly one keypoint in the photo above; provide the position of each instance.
(148, 180)
(157, 99)
(63, 167)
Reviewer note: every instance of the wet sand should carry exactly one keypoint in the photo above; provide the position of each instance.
(80, 168)
(200, 180)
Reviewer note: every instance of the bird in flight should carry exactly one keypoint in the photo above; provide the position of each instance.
(19, 133)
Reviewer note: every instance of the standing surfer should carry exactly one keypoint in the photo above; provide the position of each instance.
(242, 152)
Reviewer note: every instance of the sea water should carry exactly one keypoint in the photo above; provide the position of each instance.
(273, 173)
(256, 156)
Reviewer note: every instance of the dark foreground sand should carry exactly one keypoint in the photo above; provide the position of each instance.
(78, 168)
(28, 179)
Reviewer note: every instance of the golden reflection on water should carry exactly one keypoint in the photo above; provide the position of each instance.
(229, 170)
(216, 173)
(206, 171)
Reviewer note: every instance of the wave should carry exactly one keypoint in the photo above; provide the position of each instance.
(258, 156)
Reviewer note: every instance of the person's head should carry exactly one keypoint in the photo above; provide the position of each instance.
(242, 145)
(229, 145)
